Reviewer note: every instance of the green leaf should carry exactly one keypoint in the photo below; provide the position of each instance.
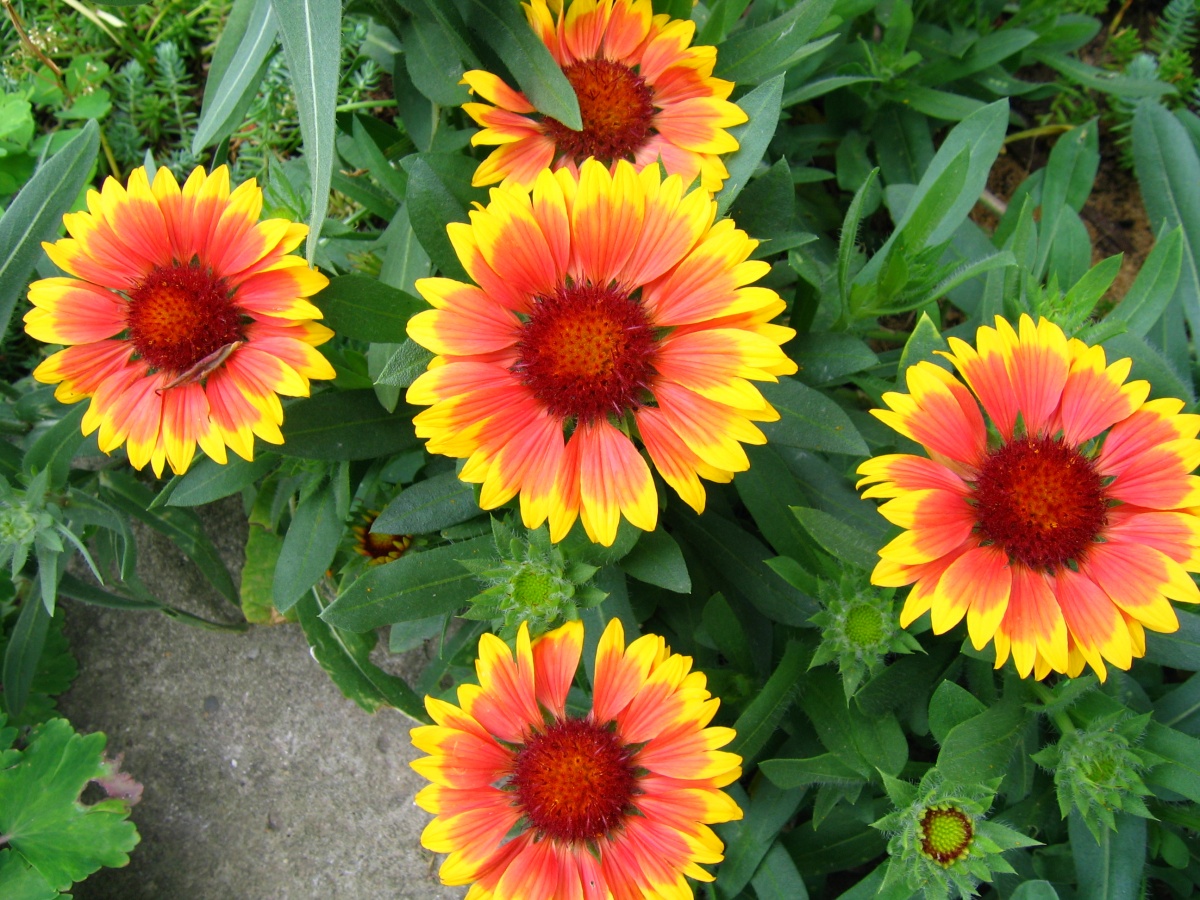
(429, 506)
(345, 425)
(1103, 80)
(1168, 173)
(937, 104)
(432, 204)
(21, 881)
(762, 106)
(757, 723)
(345, 657)
(308, 548)
(258, 574)
(180, 525)
(40, 812)
(747, 841)
(1152, 290)
(769, 492)
(737, 560)
(1034, 890)
(1074, 160)
(848, 242)
(752, 55)
(979, 748)
(928, 208)
(920, 346)
(237, 67)
(1180, 769)
(828, 768)
(22, 655)
(364, 308)
(810, 420)
(829, 357)
(1150, 363)
(415, 586)
(656, 559)
(207, 480)
(311, 31)
(1111, 869)
(56, 447)
(844, 542)
(777, 876)
(36, 214)
(951, 705)
(726, 631)
(433, 62)
(504, 27)
(1180, 708)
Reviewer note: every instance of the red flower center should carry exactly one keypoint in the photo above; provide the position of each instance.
(586, 351)
(616, 107)
(180, 314)
(946, 834)
(574, 782)
(1041, 501)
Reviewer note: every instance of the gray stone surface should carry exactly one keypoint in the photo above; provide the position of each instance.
(261, 779)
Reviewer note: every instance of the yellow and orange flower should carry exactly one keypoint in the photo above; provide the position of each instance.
(533, 803)
(644, 95)
(184, 319)
(608, 306)
(1065, 534)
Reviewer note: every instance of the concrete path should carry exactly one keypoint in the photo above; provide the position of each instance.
(261, 780)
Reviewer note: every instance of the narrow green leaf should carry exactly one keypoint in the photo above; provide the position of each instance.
(311, 31)
(757, 723)
(433, 62)
(429, 506)
(1075, 158)
(541, 79)
(36, 214)
(236, 70)
(345, 425)
(827, 358)
(346, 659)
(431, 205)
(1103, 80)
(828, 768)
(752, 55)
(57, 446)
(1168, 172)
(415, 586)
(308, 548)
(726, 631)
(762, 106)
(848, 242)
(207, 480)
(1112, 869)
(951, 705)
(810, 420)
(777, 876)
(24, 650)
(366, 309)
(258, 574)
(1180, 769)
(747, 841)
(1152, 290)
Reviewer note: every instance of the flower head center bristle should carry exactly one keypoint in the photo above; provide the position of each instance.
(531, 587)
(864, 625)
(378, 547)
(946, 833)
(586, 351)
(180, 314)
(1041, 501)
(575, 781)
(616, 107)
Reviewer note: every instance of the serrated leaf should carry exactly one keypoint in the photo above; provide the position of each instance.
(236, 70)
(311, 31)
(762, 106)
(308, 548)
(40, 812)
(36, 214)
(22, 881)
(810, 420)
(416, 586)
(429, 506)
(366, 309)
(345, 425)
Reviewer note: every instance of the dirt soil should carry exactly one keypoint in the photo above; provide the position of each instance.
(261, 779)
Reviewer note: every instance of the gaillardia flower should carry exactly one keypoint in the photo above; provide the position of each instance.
(608, 305)
(1064, 530)
(184, 319)
(536, 804)
(644, 95)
